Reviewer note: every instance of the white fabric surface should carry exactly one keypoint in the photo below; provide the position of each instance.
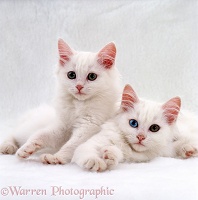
(157, 44)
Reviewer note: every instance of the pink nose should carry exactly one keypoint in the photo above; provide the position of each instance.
(79, 87)
(140, 137)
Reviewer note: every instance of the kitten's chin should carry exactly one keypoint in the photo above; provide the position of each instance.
(139, 147)
(81, 97)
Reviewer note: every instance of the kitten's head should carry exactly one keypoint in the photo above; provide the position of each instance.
(146, 125)
(86, 74)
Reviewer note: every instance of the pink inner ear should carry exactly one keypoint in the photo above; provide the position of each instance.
(129, 98)
(171, 109)
(65, 52)
(106, 56)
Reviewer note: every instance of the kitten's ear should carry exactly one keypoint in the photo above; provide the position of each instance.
(129, 98)
(171, 109)
(106, 56)
(65, 52)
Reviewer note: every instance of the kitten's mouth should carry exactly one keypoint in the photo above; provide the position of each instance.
(139, 143)
(137, 147)
(80, 93)
(80, 96)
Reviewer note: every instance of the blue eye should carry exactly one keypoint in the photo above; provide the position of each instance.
(133, 123)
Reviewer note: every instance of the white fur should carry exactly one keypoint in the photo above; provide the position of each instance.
(116, 142)
(186, 141)
(27, 125)
(76, 117)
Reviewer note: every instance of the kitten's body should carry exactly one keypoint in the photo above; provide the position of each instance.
(186, 139)
(24, 127)
(119, 142)
(83, 102)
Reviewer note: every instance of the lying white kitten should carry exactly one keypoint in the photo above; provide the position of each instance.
(88, 89)
(141, 131)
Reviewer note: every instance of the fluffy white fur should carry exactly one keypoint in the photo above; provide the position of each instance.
(81, 106)
(119, 142)
(186, 139)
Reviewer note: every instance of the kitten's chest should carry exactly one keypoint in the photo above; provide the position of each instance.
(73, 113)
(79, 108)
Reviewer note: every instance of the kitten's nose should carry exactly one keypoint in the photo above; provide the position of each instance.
(140, 137)
(79, 87)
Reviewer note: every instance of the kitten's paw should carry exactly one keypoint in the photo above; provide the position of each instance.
(95, 164)
(109, 157)
(53, 159)
(28, 149)
(8, 148)
(189, 151)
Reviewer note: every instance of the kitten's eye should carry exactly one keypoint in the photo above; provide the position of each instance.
(92, 76)
(133, 123)
(154, 128)
(71, 75)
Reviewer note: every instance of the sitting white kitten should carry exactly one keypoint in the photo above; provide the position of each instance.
(141, 131)
(88, 89)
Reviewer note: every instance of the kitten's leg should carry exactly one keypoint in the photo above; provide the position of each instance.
(88, 156)
(188, 151)
(95, 164)
(112, 155)
(9, 146)
(65, 154)
(92, 157)
(185, 148)
(50, 137)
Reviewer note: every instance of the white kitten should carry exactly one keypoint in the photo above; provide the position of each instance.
(87, 92)
(141, 131)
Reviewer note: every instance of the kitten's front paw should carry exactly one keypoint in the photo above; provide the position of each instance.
(28, 149)
(53, 159)
(109, 157)
(95, 164)
(189, 151)
(8, 148)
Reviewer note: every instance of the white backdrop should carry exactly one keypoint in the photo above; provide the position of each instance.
(157, 45)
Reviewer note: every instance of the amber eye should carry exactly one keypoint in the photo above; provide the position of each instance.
(71, 75)
(154, 128)
(92, 76)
